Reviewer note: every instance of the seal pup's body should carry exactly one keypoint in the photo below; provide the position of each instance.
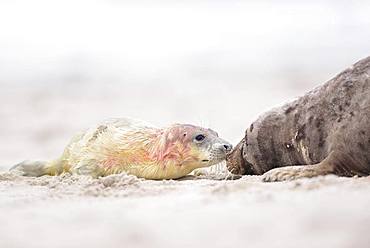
(326, 131)
(137, 148)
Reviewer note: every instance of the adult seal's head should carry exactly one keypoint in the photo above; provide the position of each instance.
(137, 148)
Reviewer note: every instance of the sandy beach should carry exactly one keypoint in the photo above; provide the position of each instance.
(124, 211)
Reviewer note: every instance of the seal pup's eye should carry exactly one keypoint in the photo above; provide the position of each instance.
(200, 137)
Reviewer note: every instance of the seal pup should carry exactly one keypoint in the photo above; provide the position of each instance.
(327, 131)
(137, 148)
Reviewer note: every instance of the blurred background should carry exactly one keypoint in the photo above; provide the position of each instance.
(65, 65)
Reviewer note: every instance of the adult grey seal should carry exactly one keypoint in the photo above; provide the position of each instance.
(327, 131)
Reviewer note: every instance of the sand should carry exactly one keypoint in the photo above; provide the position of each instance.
(124, 211)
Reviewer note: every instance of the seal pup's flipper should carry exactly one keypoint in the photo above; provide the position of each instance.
(37, 168)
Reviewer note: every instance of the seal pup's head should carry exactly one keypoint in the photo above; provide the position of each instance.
(190, 146)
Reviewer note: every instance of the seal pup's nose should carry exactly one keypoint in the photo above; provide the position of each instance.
(227, 147)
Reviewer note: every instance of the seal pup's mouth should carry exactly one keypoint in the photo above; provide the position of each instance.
(205, 160)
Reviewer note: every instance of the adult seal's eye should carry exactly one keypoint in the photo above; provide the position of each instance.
(200, 137)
